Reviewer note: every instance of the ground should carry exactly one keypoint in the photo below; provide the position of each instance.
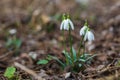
(37, 26)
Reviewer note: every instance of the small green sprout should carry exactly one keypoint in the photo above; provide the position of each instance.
(43, 61)
(14, 43)
(9, 73)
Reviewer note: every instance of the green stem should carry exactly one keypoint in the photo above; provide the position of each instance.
(70, 42)
(64, 44)
(80, 46)
(83, 48)
(64, 40)
(71, 52)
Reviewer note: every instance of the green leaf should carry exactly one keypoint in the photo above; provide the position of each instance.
(74, 54)
(67, 57)
(83, 60)
(44, 61)
(18, 43)
(13, 42)
(90, 57)
(63, 65)
(9, 73)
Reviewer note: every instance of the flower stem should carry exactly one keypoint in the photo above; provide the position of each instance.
(81, 42)
(64, 40)
(70, 42)
(67, 62)
(83, 48)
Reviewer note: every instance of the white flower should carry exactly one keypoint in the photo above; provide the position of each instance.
(82, 30)
(71, 24)
(12, 31)
(66, 24)
(63, 25)
(89, 35)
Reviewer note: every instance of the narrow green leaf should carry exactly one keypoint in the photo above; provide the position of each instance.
(67, 57)
(74, 54)
(63, 65)
(59, 61)
(83, 60)
(90, 57)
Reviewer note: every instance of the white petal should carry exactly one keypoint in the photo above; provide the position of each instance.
(86, 36)
(71, 24)
(62, 25)
(66, 25)
(82, 30)
(90, 36)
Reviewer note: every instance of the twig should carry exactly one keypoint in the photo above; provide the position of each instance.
(3, 56)
(31, 72)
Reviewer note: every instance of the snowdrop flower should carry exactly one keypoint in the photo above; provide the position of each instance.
(66, 24)
(12, 31)
(82, 30)
(89, 35)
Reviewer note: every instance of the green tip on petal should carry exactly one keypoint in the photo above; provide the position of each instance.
(68, 16)
(86, 23)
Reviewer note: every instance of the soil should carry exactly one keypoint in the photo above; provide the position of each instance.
(37, 26)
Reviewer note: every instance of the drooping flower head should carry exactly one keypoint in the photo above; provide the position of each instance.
(83, 29)
(66, 23)
(89, 35)
(86, 33)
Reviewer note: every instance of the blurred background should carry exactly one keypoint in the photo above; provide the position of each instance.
(32, 27)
